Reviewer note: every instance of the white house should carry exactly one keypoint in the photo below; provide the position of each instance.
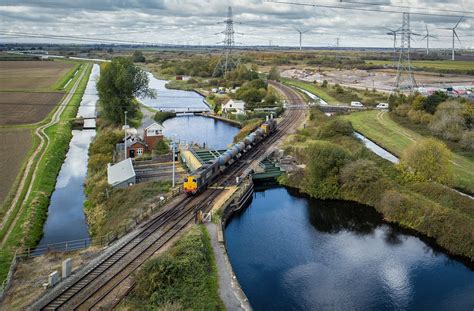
(235, 106)
(153, 129)
(122, 174)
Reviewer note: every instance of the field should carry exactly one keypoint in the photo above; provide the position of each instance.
(26, 107)
(32, 75)
(379, 127)
(435, 64)
(13, 150)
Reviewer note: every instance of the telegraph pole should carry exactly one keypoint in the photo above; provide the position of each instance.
(125, 128)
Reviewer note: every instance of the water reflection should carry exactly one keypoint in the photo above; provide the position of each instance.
(290, 252)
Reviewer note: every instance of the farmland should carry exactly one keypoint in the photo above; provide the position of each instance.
(32, 75)
(26, 107)
(14, 148)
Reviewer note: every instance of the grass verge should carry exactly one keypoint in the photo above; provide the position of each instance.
(183, 278)
(379, 127)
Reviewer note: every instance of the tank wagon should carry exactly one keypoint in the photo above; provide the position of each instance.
(207, 173)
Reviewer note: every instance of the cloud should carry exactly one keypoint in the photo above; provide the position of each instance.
(196, 22)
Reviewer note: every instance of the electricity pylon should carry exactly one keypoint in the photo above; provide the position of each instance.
(405, 77)
(226, 61)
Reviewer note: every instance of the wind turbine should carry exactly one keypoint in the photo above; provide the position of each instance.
(301, 32)
(394, 34)
(454, 34)
(427, 37)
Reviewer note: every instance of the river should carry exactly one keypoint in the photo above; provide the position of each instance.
(291, 252)
(66, 220)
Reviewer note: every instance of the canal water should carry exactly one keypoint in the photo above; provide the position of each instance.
(173, 100)
(189, 128)
(291, 252)
(66, 220)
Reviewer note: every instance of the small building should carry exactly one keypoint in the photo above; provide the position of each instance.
(121, 175)
(152, 133)
(137, 149)
(234, 106)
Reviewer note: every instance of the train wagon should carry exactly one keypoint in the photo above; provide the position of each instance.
(207, 173)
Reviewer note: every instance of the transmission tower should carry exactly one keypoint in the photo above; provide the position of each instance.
(226, 61)
(405, 77)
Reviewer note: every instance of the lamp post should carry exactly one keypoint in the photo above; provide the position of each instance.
(125, 127)
(173, 150)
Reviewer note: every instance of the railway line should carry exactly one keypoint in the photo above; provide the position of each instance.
(107, 282)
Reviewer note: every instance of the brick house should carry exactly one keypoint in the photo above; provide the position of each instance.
(152, 133)
(137, 149)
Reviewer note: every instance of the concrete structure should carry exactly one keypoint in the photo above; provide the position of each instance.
(67, 268)
(122, 174)
(234, 106)
(53, 279)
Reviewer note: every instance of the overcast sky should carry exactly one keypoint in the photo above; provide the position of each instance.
(195, 21)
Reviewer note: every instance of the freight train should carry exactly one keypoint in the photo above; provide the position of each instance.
(207, 173)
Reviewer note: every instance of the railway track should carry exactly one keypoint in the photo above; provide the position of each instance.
(100, 286)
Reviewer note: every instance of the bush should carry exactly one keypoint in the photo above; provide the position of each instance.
(335, 127)
(162, 116)
(162, 147)
(321, 174)
(427, 160)
(467, 140)
(448, 121)
(362, 181)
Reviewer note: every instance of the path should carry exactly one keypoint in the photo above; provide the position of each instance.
(229, 289)
(32, 165)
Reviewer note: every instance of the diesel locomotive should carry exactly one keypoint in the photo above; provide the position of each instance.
(207, 173)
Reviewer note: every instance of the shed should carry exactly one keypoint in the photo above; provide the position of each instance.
(122, 174)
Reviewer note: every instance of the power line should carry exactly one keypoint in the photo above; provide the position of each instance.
(361, 9)
(407, 7)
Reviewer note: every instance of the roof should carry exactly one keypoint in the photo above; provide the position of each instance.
(120, 172)
(148, 123)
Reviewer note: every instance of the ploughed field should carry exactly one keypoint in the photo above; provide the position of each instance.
(13, 150)
(26, 107)
(31, 75)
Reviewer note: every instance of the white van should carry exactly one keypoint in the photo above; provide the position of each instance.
(382, 106)
(356, 104)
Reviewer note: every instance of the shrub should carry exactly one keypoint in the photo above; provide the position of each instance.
(335, 127)
(162, 116)
(362, 181)
(321, 174)
(427, 160)
(162, 147)
(467, 140)
(402, 110)
(448, 121)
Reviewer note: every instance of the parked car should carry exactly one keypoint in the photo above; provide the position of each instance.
(356, 104)
(382, 106)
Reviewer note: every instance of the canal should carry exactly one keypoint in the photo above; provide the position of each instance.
(291, 252)
(66, 220)
(187, 127)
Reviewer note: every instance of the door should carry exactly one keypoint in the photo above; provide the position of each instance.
(131, 153)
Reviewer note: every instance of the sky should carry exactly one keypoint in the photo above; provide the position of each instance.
(257, 22)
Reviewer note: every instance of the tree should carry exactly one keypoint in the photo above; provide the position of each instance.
(431, 102)
(321, 174)
(274, 74)
(448, 121)
(324, 84)
(138, 57)
(427, 160)
(119, 84)
(162, 147)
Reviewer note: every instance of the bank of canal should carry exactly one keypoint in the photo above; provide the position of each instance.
(66, 220)
(291, 252)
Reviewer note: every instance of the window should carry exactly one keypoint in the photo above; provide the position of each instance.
(140, 151)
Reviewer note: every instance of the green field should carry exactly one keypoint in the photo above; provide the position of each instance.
(432, 64)
(379, 127)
